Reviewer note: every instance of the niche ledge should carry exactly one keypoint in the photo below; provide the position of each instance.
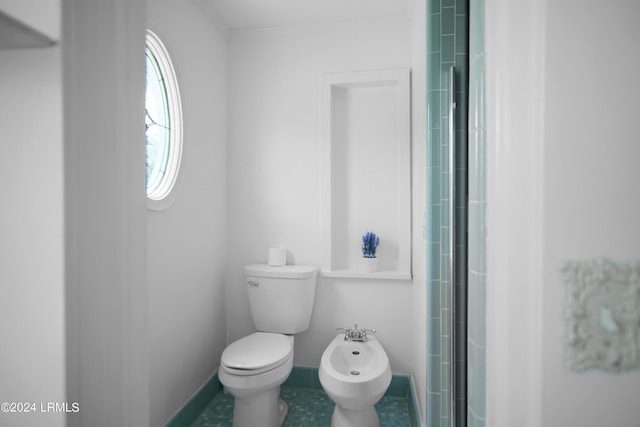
(355, 274)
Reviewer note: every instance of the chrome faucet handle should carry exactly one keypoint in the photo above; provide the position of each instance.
(347, 332)
(355, 334)
(362, 334)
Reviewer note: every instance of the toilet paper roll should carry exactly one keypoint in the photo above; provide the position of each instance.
(277, 257)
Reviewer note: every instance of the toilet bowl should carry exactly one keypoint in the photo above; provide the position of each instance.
(355, 376)
(252, 370)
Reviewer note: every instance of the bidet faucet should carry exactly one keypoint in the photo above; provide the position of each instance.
(347, 333)
(355, 334)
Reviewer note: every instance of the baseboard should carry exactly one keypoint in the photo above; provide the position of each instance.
(414, 409)
(196, 405)
(303, 377)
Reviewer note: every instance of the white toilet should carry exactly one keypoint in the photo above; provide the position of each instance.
(253, 368)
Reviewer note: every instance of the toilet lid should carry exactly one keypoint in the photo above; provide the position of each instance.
(257, 353)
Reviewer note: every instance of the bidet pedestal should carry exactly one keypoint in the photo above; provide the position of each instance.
(361, 417)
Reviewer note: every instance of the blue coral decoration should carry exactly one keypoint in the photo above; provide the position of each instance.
(369, 244)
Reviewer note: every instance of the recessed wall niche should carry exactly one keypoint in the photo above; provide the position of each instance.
(366, 171)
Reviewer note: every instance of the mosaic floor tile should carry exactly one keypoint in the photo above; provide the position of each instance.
(307, 408)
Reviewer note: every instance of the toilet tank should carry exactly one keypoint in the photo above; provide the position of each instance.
(281, 298)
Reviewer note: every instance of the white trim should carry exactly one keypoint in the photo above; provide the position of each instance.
(399, 78)
(159, 51)
(515, 45)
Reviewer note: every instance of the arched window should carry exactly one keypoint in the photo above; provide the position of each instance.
(163, 118)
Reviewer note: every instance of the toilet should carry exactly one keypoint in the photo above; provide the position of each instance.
(253, 368)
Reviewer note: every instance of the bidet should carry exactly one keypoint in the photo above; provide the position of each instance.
(355, 376)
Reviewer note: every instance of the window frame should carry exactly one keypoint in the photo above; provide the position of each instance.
(159, 198)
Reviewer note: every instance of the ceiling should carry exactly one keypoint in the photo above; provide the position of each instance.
(244, 14)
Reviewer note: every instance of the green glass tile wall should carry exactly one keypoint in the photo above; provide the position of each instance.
(477, 208)
(447, 45)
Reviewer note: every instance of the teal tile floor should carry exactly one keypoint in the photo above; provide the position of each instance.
(308, 407)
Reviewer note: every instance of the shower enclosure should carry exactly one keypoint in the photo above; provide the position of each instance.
(447, 94)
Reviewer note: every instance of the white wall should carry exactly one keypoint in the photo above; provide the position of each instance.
(105, 227)
(562, 184)
(418, 15)
(187, 240)
(32, 364)
(274, 174)
(592, 198)
(72, 270)
(40, 15)
(100, 357)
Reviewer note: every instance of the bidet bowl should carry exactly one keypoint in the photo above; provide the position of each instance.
(355, 375)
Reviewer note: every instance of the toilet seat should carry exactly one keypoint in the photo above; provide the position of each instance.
(256, 353)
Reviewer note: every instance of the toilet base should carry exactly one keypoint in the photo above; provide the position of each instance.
(361, 417)
(284, 409)
(260, 409)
